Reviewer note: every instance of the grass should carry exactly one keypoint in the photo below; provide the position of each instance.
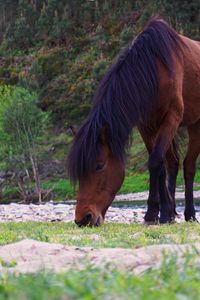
(168, 282)
(109, 235)
(62, 189)
(134, 183)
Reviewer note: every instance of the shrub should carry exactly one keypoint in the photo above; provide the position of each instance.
(48, 65)
(21, 124)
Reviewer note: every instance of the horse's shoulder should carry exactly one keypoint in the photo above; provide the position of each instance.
(192, 45)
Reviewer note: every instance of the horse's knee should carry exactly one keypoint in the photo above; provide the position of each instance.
(155, 162)
(175, 167)
(189, 170)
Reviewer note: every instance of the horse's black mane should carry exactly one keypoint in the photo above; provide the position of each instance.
(125, 96)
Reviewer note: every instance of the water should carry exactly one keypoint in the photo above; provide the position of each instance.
(143, 205)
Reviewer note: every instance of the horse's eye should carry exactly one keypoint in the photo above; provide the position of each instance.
(99, 166)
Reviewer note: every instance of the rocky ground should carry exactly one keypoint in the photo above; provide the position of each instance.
(65, 212)
(29, 256)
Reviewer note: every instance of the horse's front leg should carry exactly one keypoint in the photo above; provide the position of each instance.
(156, 165)
(151, 216)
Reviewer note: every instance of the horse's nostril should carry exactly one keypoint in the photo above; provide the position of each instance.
(77, 223)
(88, 217)
(85, 221)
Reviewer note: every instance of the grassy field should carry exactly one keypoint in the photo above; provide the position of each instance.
(170, 281)
(108, 235)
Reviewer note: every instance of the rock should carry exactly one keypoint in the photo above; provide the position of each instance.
(65, 213)
(32, 256)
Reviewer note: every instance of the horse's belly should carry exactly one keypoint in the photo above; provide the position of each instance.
(191, 91)
(192, 105)
(190, 117)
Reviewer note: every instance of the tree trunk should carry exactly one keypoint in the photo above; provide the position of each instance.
(36, 176)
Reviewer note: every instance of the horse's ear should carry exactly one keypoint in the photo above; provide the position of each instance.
(73, 130)
(104, 135)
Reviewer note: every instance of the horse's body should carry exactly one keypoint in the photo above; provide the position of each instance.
(155, 85)
(182, 109)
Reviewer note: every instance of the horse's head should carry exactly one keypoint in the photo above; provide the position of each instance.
(98, 189)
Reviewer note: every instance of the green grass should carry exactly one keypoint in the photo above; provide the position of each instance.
(108, 235)
(61, 188)
(171, 281)
(135, 183)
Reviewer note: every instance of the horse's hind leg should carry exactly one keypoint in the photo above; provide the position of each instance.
(166, 191)
(172, 164)
(190, 168)
(172, 159)
(156, 165)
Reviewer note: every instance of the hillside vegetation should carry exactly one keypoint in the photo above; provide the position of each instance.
(62, 48)
(59, 50)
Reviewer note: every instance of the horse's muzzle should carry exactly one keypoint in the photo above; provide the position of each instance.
(89, 220)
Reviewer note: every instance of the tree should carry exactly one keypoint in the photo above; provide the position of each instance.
(22, 123)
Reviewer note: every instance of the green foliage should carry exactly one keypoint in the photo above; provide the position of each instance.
(21, 32)
(54, 22)
(47, 66)
(21, 122)
(84, 37)
(67, 96)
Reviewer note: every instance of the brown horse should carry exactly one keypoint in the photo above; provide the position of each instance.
(155, 86)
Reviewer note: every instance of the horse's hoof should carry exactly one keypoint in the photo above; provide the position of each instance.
(167, 220)
(149, 223)
(151, 219)
(191, 219)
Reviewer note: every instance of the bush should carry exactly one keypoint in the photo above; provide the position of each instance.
(22, 123)
(47, 66)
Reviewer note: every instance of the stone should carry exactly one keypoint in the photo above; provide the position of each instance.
(32, 256)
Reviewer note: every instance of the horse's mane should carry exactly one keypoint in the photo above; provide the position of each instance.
(125, 96)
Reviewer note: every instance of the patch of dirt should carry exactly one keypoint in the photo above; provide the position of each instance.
(30, 256)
